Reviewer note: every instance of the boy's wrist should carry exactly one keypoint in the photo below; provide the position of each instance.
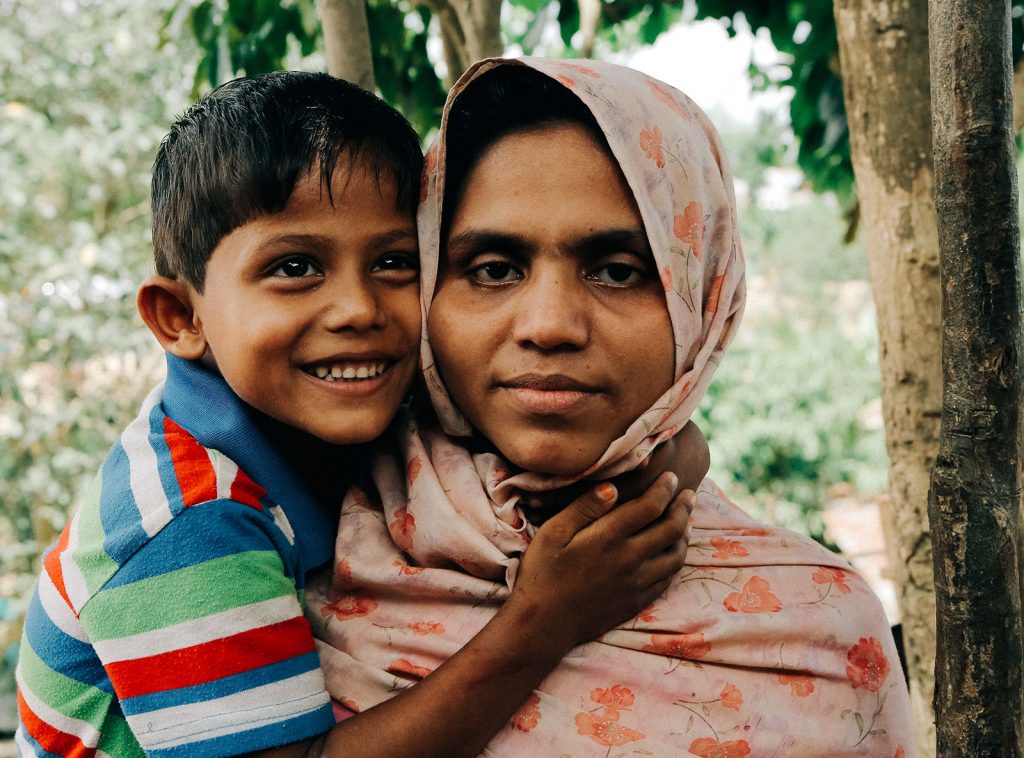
(529, 634)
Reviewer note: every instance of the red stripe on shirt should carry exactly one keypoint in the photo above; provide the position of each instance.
(50, 738)
(245, 490)
(212, 660)
(192, 466)
(53, 568)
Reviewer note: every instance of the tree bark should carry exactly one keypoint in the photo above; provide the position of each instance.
(883, 51)
(347, 41)
(470, 30)
(974, 501)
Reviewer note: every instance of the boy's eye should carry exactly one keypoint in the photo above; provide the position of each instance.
(296, 267)
(617, 274)
(397, 262)
(496, 272)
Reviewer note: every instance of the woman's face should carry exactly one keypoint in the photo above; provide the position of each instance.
(549, 322)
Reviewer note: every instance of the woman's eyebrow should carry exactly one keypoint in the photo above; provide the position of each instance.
(479, 240)
(611, 240)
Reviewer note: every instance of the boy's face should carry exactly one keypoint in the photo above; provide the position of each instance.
(312, 314)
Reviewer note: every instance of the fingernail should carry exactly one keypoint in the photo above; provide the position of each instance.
(606, 491)
(673, 481)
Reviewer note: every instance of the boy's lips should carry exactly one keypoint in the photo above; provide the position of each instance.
(349, 368)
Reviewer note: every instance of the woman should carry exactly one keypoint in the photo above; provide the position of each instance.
(582, 278)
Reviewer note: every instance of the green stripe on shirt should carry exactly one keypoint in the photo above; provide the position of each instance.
(96, 566)
(62, 693)
(240, 579)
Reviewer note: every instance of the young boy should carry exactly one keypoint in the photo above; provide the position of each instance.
(168, 617)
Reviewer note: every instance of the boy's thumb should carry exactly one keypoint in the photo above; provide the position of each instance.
(589, 507)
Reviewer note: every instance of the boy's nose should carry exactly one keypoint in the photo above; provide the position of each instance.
(354, 308)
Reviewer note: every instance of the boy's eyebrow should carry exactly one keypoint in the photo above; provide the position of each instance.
(378, 240)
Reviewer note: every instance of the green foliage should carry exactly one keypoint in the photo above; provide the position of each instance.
(84, 104)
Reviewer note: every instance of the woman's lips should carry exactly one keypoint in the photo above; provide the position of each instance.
(550, 394)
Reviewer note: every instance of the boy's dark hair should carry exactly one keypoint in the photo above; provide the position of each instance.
(239, 152)
(503, 101)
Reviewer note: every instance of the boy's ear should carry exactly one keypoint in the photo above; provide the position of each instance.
(166, 305)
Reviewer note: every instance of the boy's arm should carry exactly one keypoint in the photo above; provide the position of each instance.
(586, 570)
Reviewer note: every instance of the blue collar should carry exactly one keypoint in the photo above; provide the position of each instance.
(202, 402)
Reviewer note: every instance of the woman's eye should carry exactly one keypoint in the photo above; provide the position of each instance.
(496, 272)
(617, 274)
(294, 268)
(397, 262)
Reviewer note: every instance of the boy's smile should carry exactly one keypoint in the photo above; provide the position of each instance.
(312, 314)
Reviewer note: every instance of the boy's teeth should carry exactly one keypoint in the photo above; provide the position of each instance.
(337, 373)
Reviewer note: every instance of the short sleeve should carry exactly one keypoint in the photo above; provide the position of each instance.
(202, 635)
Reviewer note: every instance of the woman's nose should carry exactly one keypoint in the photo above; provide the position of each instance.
(352, 306)
(550, 314)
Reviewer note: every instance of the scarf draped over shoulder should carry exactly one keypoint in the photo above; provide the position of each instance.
(765, 644)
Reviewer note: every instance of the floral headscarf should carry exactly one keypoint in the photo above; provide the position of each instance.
(764, 644)
(673, 160)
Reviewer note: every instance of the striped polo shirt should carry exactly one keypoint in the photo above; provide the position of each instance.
(168, 616)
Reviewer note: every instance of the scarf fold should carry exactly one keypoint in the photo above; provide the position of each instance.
(764, 644)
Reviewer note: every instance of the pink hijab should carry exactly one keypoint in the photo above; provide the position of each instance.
(765, 644)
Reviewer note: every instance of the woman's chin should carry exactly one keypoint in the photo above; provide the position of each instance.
(553, 460)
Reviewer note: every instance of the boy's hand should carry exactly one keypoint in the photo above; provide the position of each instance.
(591, 567)
(686, 455)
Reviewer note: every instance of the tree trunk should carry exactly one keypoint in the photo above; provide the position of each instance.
(974, 501)
(470, 30)
(347, 41)
(883, 50)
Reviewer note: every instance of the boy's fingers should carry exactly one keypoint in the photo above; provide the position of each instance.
(633, 516)
(667, 532)
(583, 511)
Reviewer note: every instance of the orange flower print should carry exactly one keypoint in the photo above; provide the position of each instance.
(689, 645)
(343, 572)
(835, 577)
(405, 666)
(412, 469)
(403, 528)
(689, 227)
(568, 81)
(801, 684)
(714, 294)
(351, 704)
(618, 697)
(706, 747)
(581, 69)
(900, 753)
(755, 597)
(349, 606)
(528, 715)
(754, 533)
(407, 570)
(604, 729)
(650, 143)
(359, 497)
(731, 697)
(424, 628)
(647, 614)
(866, 665)
(666, 279)
(725, 548)
(662, 93)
